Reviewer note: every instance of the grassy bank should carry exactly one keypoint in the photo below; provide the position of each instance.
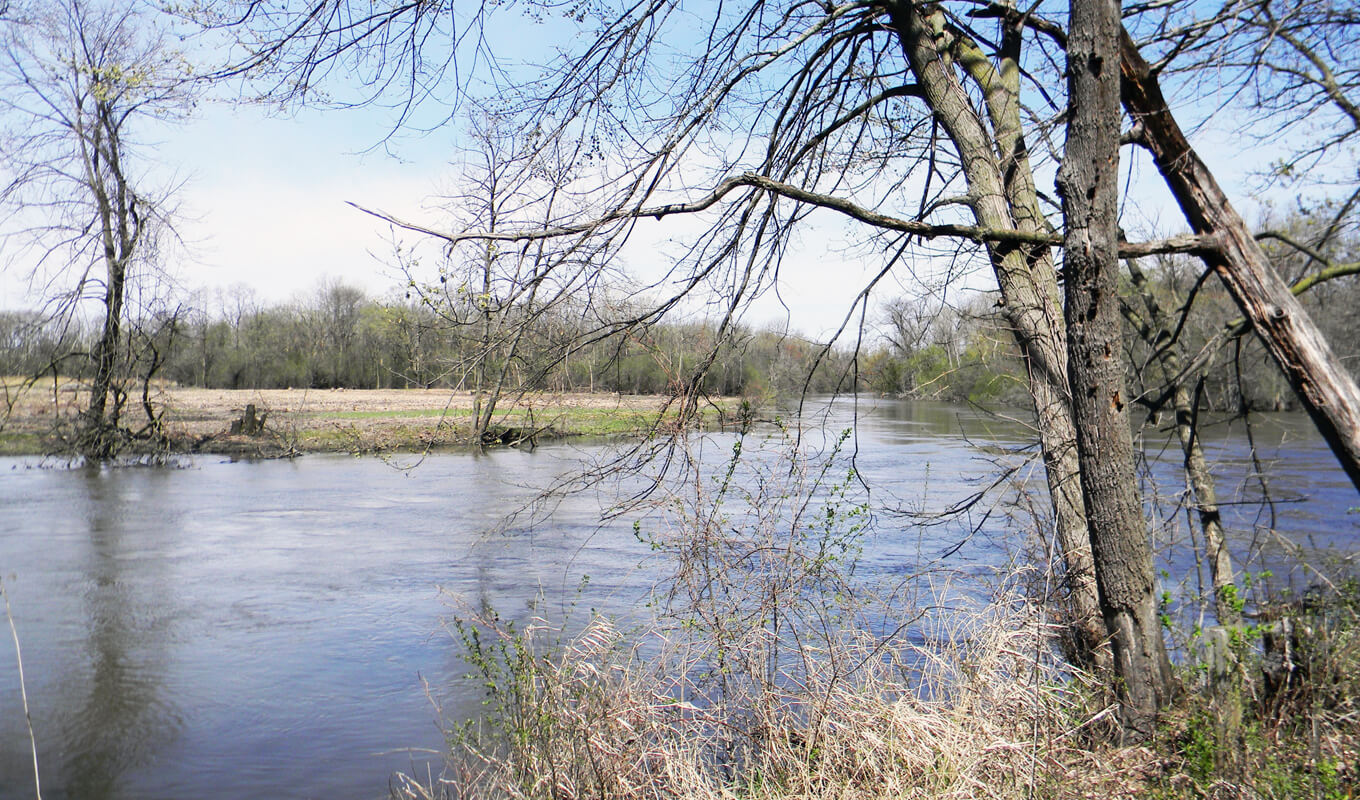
(42, 417)
(980, 708)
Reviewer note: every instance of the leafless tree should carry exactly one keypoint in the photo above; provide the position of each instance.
(910, 122)
(77, 79)
(504, 300)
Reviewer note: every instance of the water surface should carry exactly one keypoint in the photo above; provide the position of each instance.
(276, 628)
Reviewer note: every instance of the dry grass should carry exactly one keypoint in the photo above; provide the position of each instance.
(766, 671)
(762, 675)
(982, 711)
(979, 709)
(306, 420)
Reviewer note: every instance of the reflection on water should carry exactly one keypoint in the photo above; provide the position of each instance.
(275, 628)
(119, 715)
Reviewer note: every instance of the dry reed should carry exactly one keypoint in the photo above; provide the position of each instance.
(980, 709)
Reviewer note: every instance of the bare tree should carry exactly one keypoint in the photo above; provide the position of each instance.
(78, 78)
(908, 121)
(1159, 332)
(501, 301)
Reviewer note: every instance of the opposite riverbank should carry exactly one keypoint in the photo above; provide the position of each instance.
(41, 418)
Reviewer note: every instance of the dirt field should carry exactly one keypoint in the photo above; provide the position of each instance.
(309, 420)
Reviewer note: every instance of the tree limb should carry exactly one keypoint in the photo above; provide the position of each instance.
(1185, 243)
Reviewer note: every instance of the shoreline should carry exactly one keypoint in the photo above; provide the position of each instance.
(300, 421)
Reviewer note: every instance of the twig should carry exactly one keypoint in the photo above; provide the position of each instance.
(23, 691)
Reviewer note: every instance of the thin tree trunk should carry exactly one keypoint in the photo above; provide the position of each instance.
(1319, 379)
(1156, 333)
(1089, 185)
(482, 421)
(1003, 196)
(98, 437)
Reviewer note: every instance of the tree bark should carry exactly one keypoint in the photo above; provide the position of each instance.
(1003, 196)
(1089, 186)
(1318, 378)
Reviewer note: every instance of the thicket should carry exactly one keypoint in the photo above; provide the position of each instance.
(937, 351)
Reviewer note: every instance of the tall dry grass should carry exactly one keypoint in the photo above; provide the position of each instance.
(979, 709)
(774, 668)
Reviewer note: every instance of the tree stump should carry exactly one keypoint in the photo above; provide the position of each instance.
(251, 422)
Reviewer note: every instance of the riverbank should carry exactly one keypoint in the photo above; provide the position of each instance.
(335, 420)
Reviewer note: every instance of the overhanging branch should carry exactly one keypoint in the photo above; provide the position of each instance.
(1186, 243)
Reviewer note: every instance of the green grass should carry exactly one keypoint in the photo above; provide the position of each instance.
(574, 421)
(416, 429)
(20, 444)
(419, 412)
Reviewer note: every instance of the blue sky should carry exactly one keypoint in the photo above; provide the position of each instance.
(264, 203)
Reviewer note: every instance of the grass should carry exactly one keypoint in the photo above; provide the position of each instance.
(754, 675)
(394, 414)
(309, 421)
(763, 670)
(590, 716)
(548, 421)
(21, 443)
(980, 708)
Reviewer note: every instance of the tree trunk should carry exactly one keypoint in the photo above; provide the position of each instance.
(98, 439)
(1319, 379)
(481, 416)
(1089, 186)
(1003, 196)
(1156, 333)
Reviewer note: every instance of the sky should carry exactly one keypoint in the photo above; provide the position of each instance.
(265, 198)
(264, 201)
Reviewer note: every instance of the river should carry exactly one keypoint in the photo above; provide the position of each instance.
(227, 629)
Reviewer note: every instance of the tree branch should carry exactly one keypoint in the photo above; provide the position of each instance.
(1185, 243)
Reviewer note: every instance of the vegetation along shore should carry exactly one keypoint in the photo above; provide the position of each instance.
(274, 422)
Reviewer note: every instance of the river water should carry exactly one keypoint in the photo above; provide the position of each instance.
(227, 629)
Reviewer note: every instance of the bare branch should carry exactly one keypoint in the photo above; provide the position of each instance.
(1177, 244)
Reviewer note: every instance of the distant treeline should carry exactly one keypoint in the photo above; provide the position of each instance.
(339, 337)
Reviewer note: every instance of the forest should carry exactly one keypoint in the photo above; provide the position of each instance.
(338, 337)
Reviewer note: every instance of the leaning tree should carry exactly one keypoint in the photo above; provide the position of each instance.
(924, 127)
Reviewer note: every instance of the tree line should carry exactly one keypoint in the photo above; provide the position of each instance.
(916, 347)
(339, 337)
